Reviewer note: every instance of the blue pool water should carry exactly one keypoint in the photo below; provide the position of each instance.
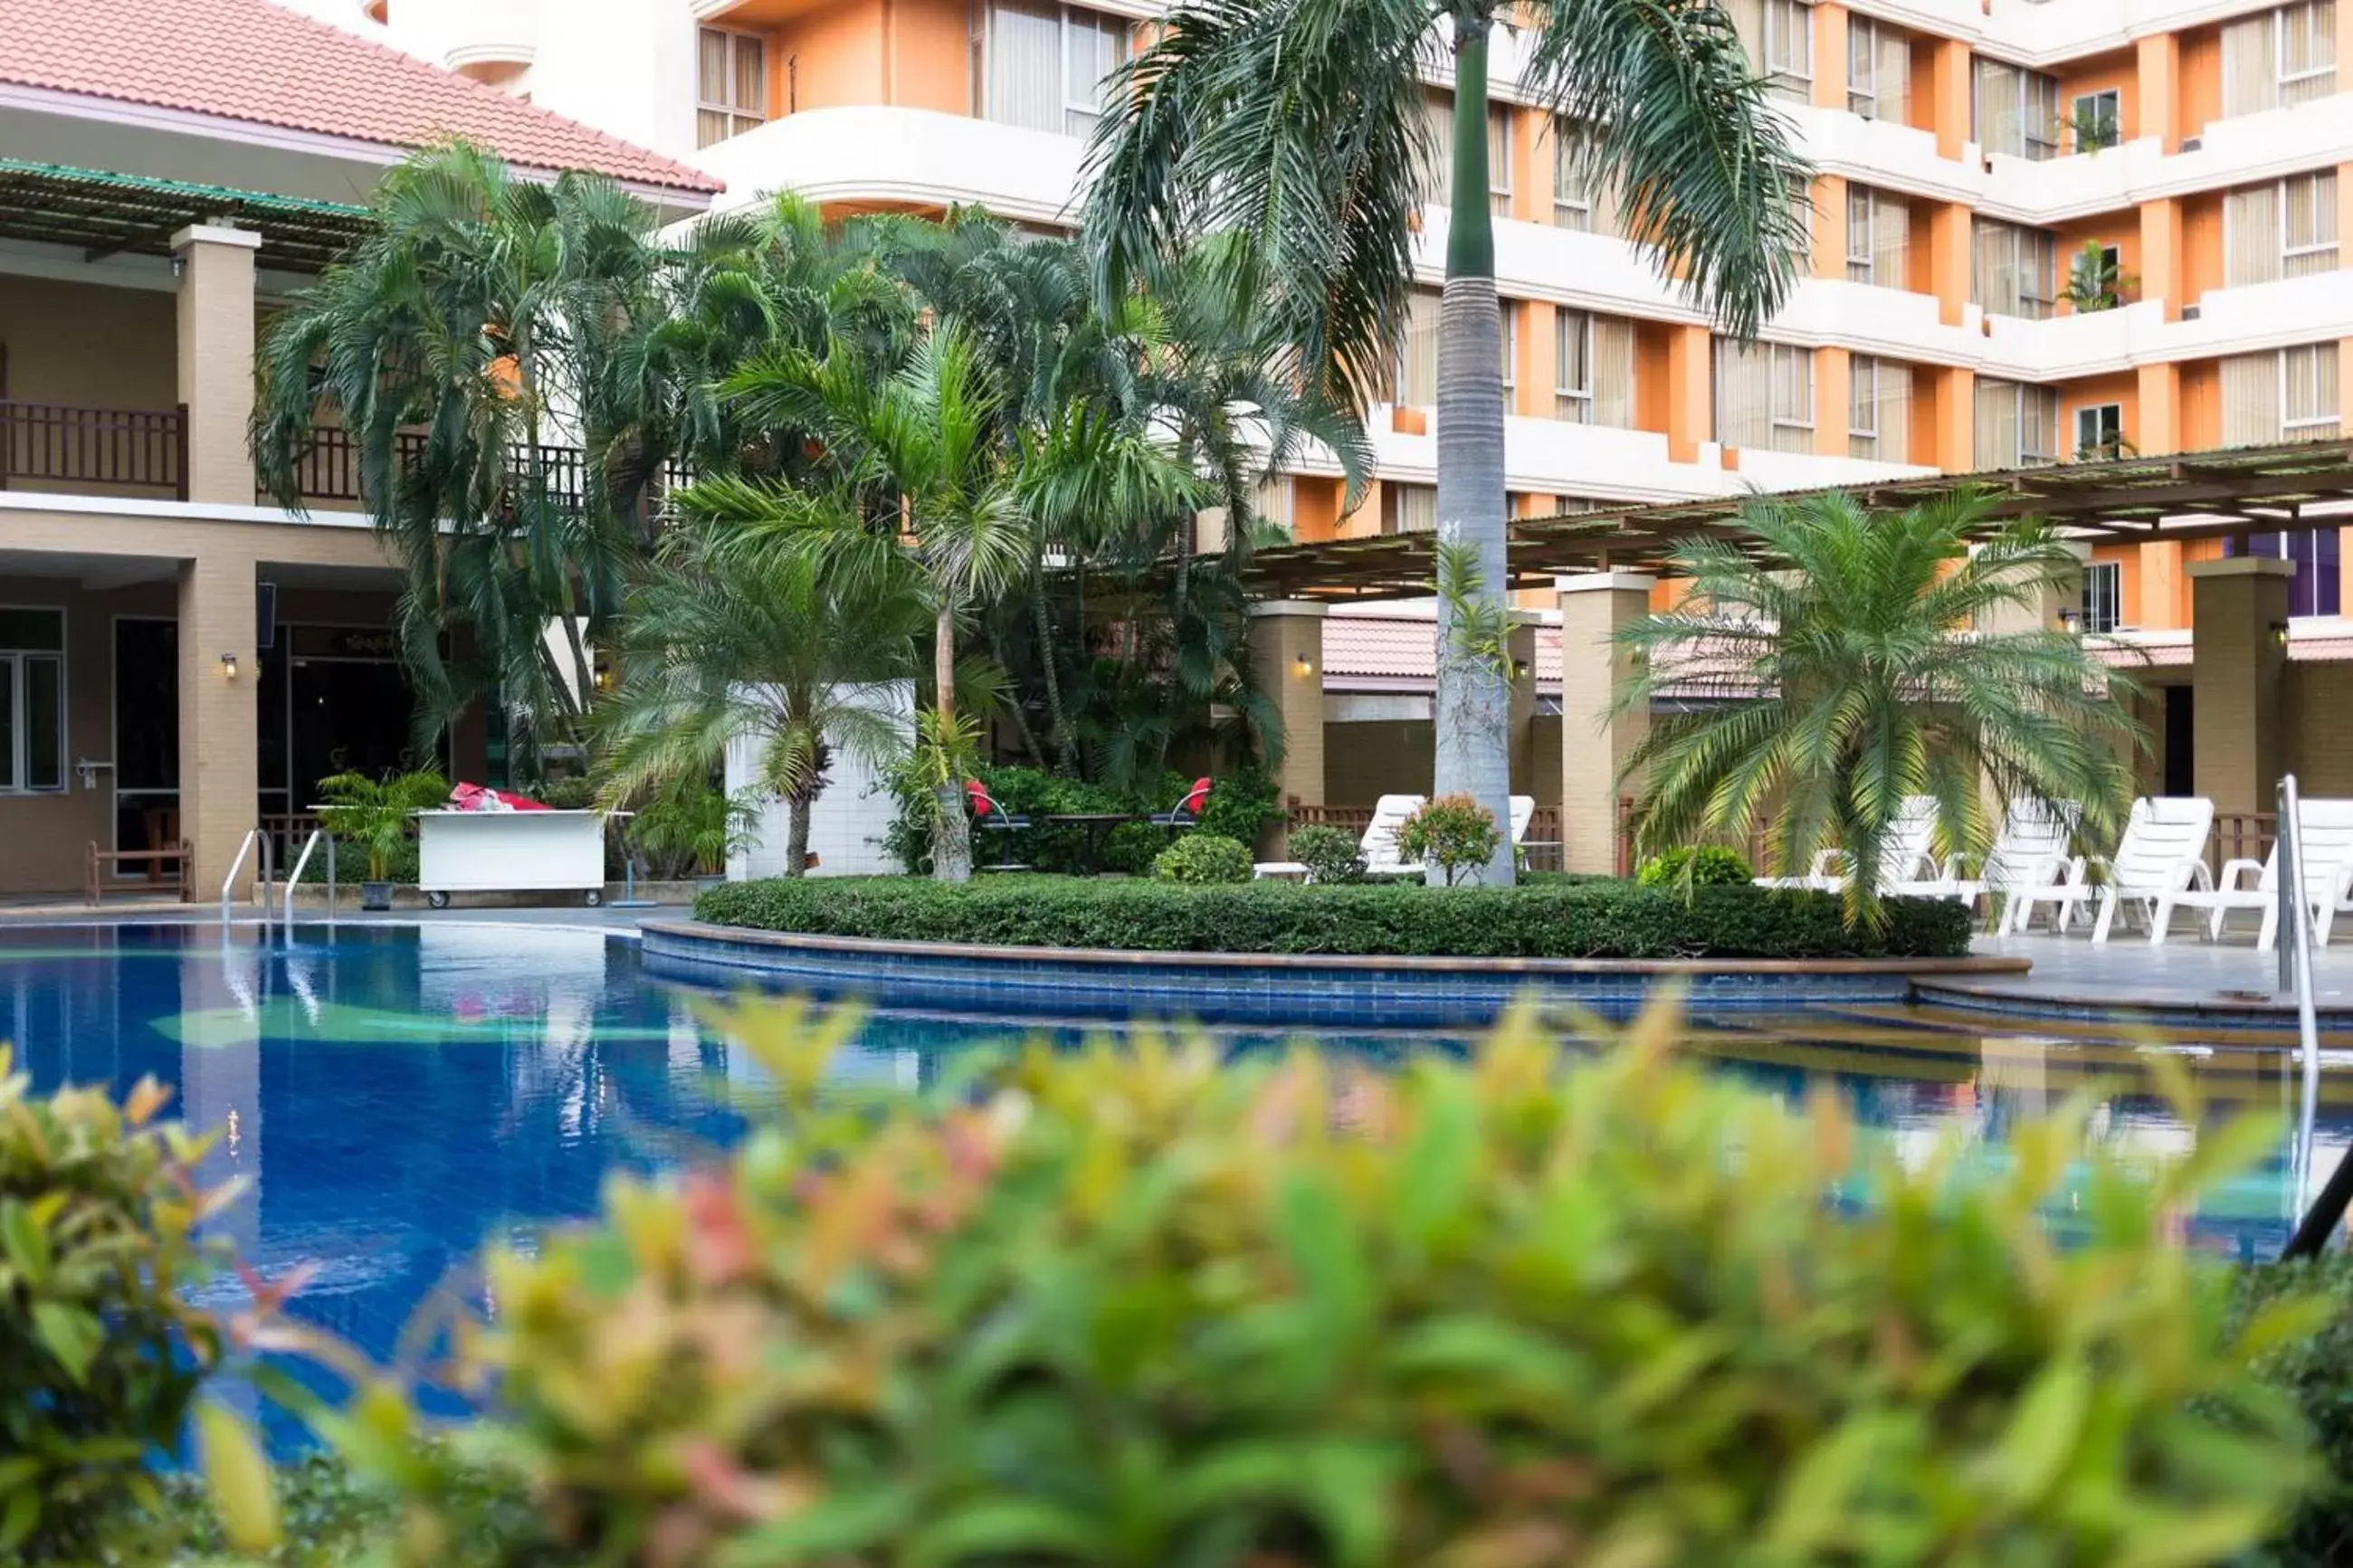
(395, 1095)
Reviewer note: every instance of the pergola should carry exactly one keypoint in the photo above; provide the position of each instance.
(2193, 495)
(104, 215)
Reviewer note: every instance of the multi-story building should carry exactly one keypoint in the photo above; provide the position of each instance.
(2040, 233)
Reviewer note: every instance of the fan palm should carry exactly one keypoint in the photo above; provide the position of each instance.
(1848, 659)
(1298, 127)
(766, 650)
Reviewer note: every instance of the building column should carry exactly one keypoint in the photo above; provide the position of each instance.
(1523, 702)
(2239, 606)
(2155, 107)
(2159, 431)
(1286, 642)
(1950, 257)
(1947, 91)
(215, 266)
(220, 773)
(1595, 747)
(2162, 261)
(1830, 55)
(1833, 400)
(1690, 391)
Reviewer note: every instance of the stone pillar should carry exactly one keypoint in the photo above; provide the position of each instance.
(1524, 703)
(1286, 641)
(216, 358)
(2239, 606)
(1593, 747)
(220, 780)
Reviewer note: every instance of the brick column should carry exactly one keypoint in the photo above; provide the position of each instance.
(1594, 747)
(220, 777)
(1523, 702)
(2239, 606)
(1286, 641)
(216, 358)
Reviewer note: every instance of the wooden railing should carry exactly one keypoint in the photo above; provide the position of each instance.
(57, 443)
(328, 469)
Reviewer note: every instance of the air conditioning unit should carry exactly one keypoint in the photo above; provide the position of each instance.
(2191, 312)
(2191, 143)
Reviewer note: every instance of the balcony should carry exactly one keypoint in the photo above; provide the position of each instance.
(886, 156)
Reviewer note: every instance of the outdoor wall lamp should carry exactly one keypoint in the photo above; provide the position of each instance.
(228, 666)
(1306, 666)
(2279, 633)
(2071, 621)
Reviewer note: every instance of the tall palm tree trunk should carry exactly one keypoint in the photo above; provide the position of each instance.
(798, 807)
(951, 844)
(1041, 622)
(1474, 704)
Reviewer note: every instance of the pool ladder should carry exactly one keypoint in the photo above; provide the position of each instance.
(2295, 925)
(245, 852)
(260, 837)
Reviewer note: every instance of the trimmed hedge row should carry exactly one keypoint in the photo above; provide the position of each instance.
(1600, 919)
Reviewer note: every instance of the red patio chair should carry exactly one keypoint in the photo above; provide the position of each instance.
(1187, 812)
(992, 817)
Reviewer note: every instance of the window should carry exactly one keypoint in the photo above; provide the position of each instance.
(2289, 395)
(1878, 71)
(1499, 160)
(2012, 270)
(2017, 424)
(2103, 596)
(2308, 392)
(2279, 57)
(1408, 509)
(32, 700)
(2315, 590)
(2017, 109)
(1779, 35)
(1593, 360)
(1271, 508)
(2284, 228)
(1045, 67)
(1765, 397)
(1580, 198)
(1879, 410)
(1418, 356)
(1507, 312)
(731, 84)
(2099, 432)
(2097, 118)
(1878, 237)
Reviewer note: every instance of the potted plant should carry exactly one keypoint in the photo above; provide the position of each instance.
(374, 815)
(692, 828)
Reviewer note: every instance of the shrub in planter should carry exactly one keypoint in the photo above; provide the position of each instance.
(101, 1355)
(1452, 832)
(1201, 857)
(1151, 1306)
(1699, 866)
(1330, 855)
(1241, 804)
(1132, 847)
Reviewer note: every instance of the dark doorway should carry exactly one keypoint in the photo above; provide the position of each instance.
(146, 735)
(2180, 749)
(347, 715)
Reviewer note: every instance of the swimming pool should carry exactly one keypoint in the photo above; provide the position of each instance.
(395, 1095)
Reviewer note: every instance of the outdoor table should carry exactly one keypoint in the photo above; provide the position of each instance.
(1094, 822)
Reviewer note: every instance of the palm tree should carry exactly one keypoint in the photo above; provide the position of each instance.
(1857, 658)
(1298, 127)
(765, 648)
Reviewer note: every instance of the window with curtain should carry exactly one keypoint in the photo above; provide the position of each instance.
(1499, 160)
(1879, 410)
(2103, 596)
(1045, 67)
(1593, 360)
(1779, 37)
(2282, 228)
(2315, 589)
(2290, 395)
(2012, 273)
(731, 84)
(1507, 312)
(1878, 237)
(1271, 502)
(32, 701)
(1418, 356)
(1765, 395)
(1580, 197)
(1437, 120)
(1878, 70)
(2277, 57)
(2308, 392)
(2016, 109)
(1408, 509)
(2017, 424)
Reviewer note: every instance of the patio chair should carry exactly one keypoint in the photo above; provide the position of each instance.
(1187, 811)
(2163, 850)
(1378, 844)
(1905, 853)
(2031, 851)
(2324, 849)
(992, 817)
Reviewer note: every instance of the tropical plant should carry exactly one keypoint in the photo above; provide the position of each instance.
(1452, 835)
(1202, 858)
(374, 813)
(685, 825)
(2094, 125)
(1150, 1305)
(770, 651)
(1704, 865)
(101, 1353)
(1853, 657)
(2094, 281)
(1331, 856)
(1296, 131)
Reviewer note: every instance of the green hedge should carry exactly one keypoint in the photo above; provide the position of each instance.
(2316, 1374)
(1605, 919)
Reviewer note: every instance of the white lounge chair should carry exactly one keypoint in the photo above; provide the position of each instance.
(2324, 849)
(2164, 850)
(2031, 851)
(1378, 844)
(1902, 858)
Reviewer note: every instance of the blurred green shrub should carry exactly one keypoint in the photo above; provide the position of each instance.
(1699, 866)
(1330, 855)
(1203, 859)
(1452, 832)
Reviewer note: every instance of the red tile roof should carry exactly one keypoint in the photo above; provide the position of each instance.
(252, 60)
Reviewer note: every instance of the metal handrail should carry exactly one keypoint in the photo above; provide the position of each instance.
(2295, 927)
(295, 878)
(238, 865)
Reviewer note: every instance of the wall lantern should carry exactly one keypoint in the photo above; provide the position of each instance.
(228, 666)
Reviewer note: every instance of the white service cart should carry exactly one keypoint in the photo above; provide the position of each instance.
(510, 852)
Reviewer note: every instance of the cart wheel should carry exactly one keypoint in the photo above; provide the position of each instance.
(437, 900)
(594, 898)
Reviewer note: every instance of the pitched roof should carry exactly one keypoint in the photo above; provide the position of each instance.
(255, 61)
